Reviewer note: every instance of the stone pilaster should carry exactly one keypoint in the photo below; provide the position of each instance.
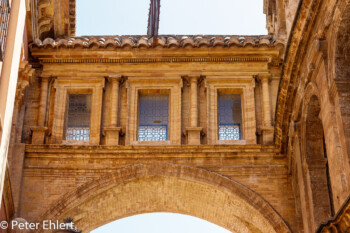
(111, 132)
(249, 134)
(193, 132)
(39, 131)
(266, 129)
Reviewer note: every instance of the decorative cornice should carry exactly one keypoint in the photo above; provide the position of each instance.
(163, 42)
(158, 60)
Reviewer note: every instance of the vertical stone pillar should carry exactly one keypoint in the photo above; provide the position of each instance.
(194, 100)
(43, 101)
(266, 128)
(111, 132)
(39, 131)
(193, 132)
(8, 80)
(249, 133)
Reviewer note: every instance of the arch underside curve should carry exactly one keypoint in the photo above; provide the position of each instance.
(342, 70)
(172, 188)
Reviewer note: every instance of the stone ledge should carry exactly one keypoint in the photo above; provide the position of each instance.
(145, 148)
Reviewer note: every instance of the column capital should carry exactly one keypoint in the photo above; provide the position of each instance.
(193, 78)
(263, 77)
(114, 78)
(44, 79)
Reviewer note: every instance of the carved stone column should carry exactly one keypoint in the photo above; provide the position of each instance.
(40, 130)
(266, 128)
(193, 132)
(111, 132)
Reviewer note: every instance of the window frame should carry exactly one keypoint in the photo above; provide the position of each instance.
(230, 91)
(64, 87)
(153, 92)
(243, 85)
(66, 118)
(170, 85)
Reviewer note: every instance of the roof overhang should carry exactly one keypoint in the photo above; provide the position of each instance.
(166, 49)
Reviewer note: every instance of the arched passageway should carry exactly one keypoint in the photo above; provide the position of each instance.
(342, 72)
(319, 192)
(160, 222)
(168, 188)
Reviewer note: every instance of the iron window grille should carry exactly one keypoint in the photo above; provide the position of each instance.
(153, 117)
(229, 132)
(230, 117)
(4, 16)
(153, 132)
(78, 119)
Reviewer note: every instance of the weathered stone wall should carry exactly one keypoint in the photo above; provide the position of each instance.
(51, 172)
(56, 171)
(342, 72)
(310, 73)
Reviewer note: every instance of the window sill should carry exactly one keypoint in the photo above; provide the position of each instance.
(231, 142)
(152, 143)
(75, 142)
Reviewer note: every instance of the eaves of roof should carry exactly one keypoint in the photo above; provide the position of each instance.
(170, 41)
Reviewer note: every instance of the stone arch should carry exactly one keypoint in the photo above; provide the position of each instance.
(173, 188)
(314, 162)
(342, 71)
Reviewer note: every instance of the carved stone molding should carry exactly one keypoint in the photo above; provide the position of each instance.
(25, 77)
(158, 60)
(53, 18)
(341, 223)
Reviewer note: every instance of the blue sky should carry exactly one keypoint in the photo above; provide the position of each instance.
(160, 223)
(181, 17)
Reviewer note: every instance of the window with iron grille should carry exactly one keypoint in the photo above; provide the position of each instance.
(153, 117)
(78, 117)
(4, 16)
(230, 117)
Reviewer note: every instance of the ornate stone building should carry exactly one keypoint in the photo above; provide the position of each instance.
(248, 132)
